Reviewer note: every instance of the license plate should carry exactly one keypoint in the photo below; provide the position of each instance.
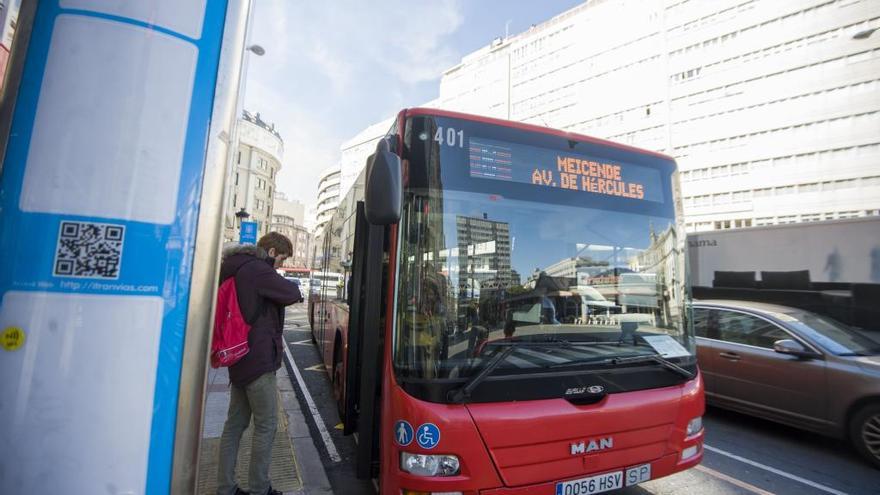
(638, 474)
(604, 482)
(593, 484)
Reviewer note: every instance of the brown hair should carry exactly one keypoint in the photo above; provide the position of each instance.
(282, 245)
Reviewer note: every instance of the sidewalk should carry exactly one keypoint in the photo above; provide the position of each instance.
(290, 473)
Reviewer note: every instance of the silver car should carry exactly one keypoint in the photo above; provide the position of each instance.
(791, 366)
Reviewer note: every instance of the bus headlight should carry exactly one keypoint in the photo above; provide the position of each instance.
(694, 426)
(429, 465)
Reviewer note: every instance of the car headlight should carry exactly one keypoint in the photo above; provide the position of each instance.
(695, 425)
(429, 465)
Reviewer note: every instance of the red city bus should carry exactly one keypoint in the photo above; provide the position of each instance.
(469, 351)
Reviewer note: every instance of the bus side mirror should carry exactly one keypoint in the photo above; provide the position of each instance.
(383, 192)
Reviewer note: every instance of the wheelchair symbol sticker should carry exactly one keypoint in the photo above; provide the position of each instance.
(403, 433)
(428, 436)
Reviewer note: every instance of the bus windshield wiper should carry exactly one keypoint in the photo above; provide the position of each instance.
(657, 358)
(629, 359)
(461, 394)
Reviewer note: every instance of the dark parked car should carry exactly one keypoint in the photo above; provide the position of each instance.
(791, 366)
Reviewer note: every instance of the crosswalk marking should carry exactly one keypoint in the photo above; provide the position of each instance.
(317, 367)
(302, 342)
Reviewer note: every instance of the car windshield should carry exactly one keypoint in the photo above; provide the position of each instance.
(486, 266)
(833, 336)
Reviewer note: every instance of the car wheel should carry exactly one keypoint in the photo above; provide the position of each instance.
(864, 431)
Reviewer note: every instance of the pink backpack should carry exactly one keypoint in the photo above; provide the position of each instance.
(230, 342)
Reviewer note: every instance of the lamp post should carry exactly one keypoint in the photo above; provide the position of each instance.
(242, 215)
(233, 144)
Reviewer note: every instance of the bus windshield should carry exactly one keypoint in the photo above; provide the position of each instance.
(494, 252)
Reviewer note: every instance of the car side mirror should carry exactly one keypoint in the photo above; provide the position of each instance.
(383, 191)
(793, 348)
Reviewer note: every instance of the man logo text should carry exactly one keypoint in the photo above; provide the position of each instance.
(592, 445)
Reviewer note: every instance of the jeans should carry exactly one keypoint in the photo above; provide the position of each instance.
(260, 399)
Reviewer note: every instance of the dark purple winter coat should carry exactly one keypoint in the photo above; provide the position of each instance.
(262, 296)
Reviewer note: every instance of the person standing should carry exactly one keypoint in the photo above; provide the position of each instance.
(262, 296)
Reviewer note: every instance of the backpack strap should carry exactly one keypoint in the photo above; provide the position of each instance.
(260, 299)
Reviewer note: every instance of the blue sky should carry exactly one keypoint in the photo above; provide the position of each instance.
(332, 68)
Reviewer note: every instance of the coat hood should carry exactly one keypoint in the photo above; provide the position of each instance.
(236, 255)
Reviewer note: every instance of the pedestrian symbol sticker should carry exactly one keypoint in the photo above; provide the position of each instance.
(428, 436)
(403, 433)
(12, 338)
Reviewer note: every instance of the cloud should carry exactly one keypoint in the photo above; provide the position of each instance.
(309, 148)
(355, 39)
(332, 68)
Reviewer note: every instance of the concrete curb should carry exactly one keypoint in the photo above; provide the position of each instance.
(311, 470)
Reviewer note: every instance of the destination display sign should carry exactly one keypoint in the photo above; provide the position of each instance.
(499, 160)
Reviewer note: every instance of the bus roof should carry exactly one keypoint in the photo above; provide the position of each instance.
(529, 127)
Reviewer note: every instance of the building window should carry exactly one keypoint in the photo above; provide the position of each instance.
(741, 196)
(236, 178)
(234, 200)
(238, 161)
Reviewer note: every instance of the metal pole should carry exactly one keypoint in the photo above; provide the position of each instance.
(206, 262)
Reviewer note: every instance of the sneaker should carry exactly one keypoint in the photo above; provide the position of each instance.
(239, 491)
(273, 491)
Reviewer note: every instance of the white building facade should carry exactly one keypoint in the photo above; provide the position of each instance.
(255, 166)
(329, 188)
(299, 236)
(289, 207)
(288, 218)
(355, 151)
(771, 107)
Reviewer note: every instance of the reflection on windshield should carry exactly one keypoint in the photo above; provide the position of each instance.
(833, 335)
(478, 269)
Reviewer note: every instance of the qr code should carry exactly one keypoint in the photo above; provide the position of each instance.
(91, 250)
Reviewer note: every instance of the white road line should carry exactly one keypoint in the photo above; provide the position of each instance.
(775, 471)
(325, 435)
(732, 480)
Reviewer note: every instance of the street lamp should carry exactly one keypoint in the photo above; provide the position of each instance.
(233, 145)
(242, 215)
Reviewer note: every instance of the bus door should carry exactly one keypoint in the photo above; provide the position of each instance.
(322, 309)
(364, 358)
